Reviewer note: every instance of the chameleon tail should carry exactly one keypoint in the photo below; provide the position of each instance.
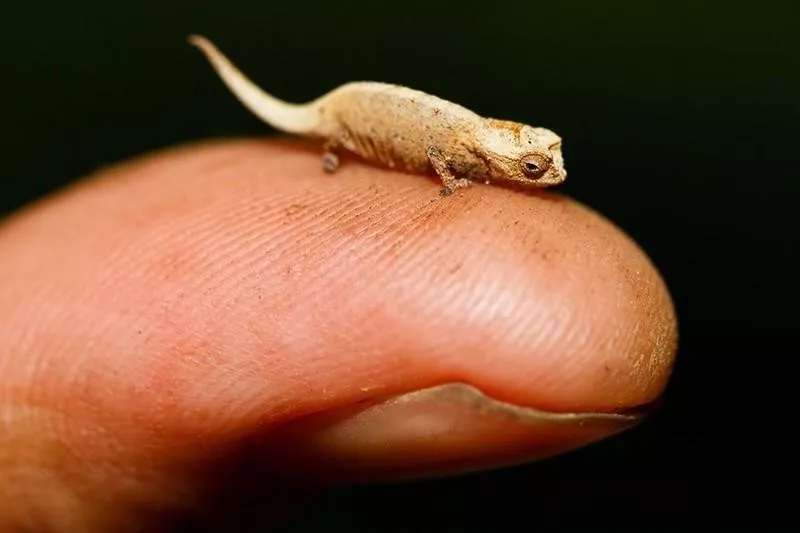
(300, 119)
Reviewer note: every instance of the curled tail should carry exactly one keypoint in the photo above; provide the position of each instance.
(300, 119)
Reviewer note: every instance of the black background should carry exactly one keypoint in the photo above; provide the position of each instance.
(680, 122)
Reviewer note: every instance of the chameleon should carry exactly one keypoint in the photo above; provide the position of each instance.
(405, 129)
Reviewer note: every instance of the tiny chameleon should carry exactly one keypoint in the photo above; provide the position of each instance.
(405, 129)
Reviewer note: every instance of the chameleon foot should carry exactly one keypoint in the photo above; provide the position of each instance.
(330, 162)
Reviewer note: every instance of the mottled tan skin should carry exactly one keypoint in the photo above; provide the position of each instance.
(409, 130)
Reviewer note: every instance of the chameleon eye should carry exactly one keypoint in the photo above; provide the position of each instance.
(534, 166)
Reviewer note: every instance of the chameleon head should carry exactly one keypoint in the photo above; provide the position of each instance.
(527, 156)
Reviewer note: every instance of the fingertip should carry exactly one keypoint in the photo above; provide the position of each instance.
(534, 298)
(176, 305)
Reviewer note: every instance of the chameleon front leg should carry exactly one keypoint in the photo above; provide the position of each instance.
(440, 165)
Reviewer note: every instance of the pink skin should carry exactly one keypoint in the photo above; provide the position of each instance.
(159, 316)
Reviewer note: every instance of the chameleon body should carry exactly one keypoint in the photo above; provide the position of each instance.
(406, 129)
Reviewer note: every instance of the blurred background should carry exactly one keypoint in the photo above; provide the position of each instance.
(680, 122)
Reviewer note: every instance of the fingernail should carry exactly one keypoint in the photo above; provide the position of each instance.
(444, 430)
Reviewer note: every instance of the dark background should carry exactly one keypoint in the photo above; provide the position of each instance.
(680, 122)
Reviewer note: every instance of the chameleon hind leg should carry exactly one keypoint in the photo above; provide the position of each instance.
(330, 159)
